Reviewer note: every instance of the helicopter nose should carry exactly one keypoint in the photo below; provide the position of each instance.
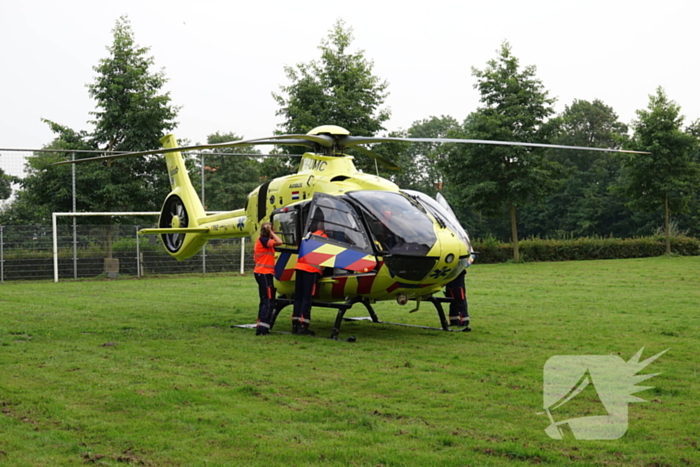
(451, 249)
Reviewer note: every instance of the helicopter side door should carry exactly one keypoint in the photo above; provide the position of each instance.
(288, 223)
(334, 237)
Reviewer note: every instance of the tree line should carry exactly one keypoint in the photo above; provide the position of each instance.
(504, 192)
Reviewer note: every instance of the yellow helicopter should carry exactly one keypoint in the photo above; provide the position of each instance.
(381, 243)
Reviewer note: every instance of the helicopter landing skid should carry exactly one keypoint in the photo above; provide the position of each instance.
(432, 328)
(343, 307)
(436, 301)
(254, 325)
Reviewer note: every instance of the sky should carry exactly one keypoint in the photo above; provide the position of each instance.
(224, 59)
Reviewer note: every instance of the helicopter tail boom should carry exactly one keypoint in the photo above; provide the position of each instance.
(184, 226)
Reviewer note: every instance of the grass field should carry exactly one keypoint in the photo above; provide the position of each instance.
(149, 372)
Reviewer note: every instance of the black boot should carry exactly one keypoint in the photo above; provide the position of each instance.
(305, 331)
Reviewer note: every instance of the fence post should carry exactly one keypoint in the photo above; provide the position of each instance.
(55, 247)
(138, 251)
(204, 247)
(242, 254)
(75, 235)
(75, 251)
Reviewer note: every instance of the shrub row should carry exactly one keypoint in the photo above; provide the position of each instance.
(492, 251)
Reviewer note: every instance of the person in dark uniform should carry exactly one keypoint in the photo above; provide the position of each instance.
(459, 310)
(264, 253)
(307, 275)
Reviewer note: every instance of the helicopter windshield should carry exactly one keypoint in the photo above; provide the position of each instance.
(447, 216)
(398, 226)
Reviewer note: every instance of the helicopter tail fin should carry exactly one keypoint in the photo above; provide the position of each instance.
(180, 182)
(182, 209)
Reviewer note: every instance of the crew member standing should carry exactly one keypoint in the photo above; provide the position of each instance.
(307, 275)
(459, 312)
(264, 253)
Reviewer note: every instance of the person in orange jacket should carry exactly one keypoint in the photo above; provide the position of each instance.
(264, 254)
(307, 275)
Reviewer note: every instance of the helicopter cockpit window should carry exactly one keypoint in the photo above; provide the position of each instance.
(338, 221)
(398, 225)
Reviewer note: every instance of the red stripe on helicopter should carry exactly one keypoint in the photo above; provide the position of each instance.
(314, 258)
(287, 275)
(364, 283)
(338, 290)
(361, 265)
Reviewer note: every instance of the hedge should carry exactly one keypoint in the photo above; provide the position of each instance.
(492, 251)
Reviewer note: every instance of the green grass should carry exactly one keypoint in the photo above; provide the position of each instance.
(149, 372)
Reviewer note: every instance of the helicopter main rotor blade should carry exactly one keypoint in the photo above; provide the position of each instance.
(338, 142)
(251, 142)
(352, 141)
(381, 159)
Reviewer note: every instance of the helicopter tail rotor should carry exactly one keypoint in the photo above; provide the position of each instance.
(173, 215)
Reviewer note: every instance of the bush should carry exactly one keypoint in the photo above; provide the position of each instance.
(491, 251)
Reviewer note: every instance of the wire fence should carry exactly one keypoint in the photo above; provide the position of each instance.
(11, 164)
(26, 252)
(93, 251)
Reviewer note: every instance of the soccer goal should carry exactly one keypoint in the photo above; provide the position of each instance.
(109, 249)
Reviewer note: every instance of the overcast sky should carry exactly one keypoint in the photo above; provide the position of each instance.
(223, 59)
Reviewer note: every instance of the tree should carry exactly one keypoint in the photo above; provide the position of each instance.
(229, 175)
(584, 204)
(47, 188)
(515, 107)
(668, 176)
(5, 185)
(131, 114)
(340, 89)
(430, 158)
(421, 163)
